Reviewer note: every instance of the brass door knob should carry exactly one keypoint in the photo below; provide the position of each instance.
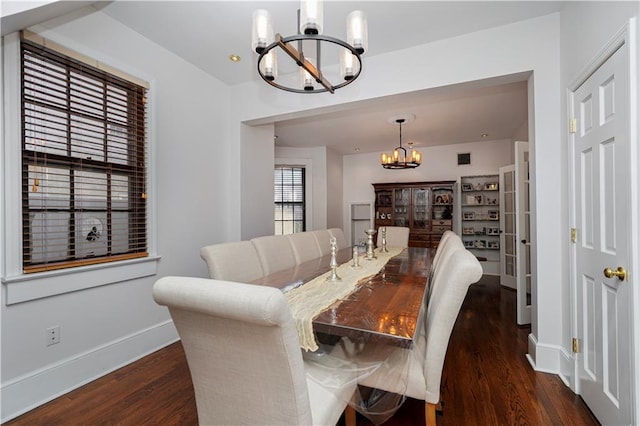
(620, 273)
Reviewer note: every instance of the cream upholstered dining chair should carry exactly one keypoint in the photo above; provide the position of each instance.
(449, 242)
(323, 239)
(448, 237)
(417, 372)
(235, 261)
(275, 253)
(397, 236)
(304, 246)
(340, 238)
(243, 353)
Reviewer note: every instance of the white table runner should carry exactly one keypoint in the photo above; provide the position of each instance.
(309, 300)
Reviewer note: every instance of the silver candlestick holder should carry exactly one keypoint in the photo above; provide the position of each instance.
(334, 262)
(355, 262)
(370, 252)
(383, 238)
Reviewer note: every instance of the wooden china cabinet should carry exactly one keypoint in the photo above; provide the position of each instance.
(426, 208)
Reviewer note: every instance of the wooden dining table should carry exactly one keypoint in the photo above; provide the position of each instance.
(383, 308)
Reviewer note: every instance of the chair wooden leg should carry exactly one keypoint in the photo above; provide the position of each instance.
(350, 416)
(430, 414)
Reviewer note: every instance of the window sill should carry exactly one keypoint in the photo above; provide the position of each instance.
(26, 287)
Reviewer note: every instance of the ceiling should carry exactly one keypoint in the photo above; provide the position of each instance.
(205, 33)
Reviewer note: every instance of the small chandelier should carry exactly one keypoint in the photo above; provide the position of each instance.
(309, 37)
(399, 159)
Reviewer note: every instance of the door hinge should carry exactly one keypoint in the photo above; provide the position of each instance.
(574, 235)
(573, 124)
(575, 345)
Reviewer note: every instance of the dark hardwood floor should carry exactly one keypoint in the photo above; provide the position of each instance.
(487, 381)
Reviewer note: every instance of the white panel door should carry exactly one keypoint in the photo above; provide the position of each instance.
(508, 236)
(523, 234)
(601, 189)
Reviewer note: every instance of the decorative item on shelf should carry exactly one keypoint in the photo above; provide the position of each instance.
(441, 199)
(468, 215)
(493, 244)
(491, 186)
(468, 231)
(466, 187)
(478, 187)
(370, 252)
(446, 213)
(399, 159)
(383, 237)
(333, 263)
(309, 37)
(469, 244)
(493, 231)
(492, 201)
(480, 244)
(493, 214)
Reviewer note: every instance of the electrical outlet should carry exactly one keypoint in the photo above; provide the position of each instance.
(53, 335)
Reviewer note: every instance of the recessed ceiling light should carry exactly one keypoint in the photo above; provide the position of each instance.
(484, 135)
(234, 58)
(357, 149)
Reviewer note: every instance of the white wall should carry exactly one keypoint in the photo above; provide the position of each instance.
(334, 190)
(439, 163)
(104, 327)
(256, 159)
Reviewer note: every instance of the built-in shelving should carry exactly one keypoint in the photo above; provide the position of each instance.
(480, 219)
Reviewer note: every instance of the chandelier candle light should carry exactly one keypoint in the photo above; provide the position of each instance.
(309, 37)
(399, 159)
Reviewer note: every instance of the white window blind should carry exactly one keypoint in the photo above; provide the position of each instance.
(289, 188)
(83, 163)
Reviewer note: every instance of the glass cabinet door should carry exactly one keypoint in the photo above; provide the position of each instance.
(402, 207)
(421, 212)
(442, 208)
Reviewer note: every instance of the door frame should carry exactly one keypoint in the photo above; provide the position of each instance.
(624, 39)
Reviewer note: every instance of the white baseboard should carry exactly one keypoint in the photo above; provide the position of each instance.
(34, 389)
(552, 359)
(567, 369)
(544, 357)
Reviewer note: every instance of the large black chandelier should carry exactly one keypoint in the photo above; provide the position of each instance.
(399, 158)
(305, 49)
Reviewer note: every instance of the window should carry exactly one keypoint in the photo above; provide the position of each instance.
(83, 163)
(289, 188)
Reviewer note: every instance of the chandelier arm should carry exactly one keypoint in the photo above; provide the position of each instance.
(285, 44)
(402, 148)
(303, 62)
